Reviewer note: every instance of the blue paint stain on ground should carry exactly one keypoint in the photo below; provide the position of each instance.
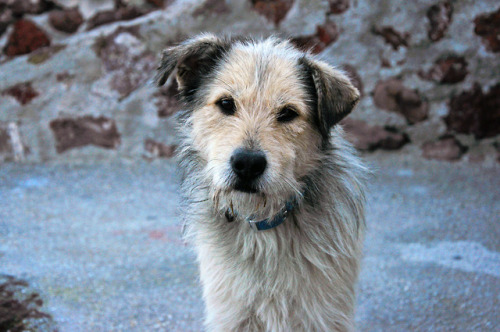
(33, 182)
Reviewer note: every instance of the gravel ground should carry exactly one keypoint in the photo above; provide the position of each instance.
(100, 244)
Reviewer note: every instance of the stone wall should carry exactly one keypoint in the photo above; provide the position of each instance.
(75, 76)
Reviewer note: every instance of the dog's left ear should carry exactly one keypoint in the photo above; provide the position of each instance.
(193, 59)
(334, 93)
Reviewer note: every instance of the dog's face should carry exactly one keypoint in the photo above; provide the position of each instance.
(259, 115)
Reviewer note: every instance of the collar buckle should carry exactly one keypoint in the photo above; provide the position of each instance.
(253, 224)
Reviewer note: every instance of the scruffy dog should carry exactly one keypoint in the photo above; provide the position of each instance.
(274, 194)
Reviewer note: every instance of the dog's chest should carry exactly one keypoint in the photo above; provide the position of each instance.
(278, 259)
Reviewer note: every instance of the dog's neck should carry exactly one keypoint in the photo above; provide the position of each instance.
(268, 223)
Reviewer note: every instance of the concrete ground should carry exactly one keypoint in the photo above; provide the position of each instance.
(101, 245)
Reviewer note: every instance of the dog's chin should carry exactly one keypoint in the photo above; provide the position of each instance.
(249, 201)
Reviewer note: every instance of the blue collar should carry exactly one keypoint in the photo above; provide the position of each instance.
(265, 224)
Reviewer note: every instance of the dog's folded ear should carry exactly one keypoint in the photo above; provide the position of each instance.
(193, 59)
(334, 93)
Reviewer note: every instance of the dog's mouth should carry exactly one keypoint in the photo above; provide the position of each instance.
(245, 187)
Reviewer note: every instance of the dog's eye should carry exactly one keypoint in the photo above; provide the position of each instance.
(287, 114)
(226, 105)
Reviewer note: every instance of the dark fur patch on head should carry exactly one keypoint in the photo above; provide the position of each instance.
(334, 96)
(308, 81)
(194, 60)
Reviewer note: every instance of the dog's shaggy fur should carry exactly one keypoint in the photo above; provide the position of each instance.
(300, 275)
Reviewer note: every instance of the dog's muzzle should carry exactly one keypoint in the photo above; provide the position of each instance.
(248, 166)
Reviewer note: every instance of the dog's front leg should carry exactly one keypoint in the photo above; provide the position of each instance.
(226, 314)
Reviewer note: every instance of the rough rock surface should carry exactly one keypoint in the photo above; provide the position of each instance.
(22, 92)
(110, 16)
(324, 36)
(104, 68)
(392, 95)
(338, 6)
(129, 69)
(158, 149)
(212, 7)
(6, 18)
(392, 37)
(12, 145)
(475, 112)
(25, 38)
(167, 101)
(68, 20)
(22, 7)
(449, 70)
(369, 138)
(273, 10)
(497, 147)
(488, 27)
(87, 130)
(447, 148)
(439, 16)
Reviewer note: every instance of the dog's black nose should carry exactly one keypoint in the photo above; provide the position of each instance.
(248, 164)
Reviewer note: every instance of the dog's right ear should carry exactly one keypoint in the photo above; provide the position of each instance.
(193, 59)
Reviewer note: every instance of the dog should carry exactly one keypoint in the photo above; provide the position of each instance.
(273, 194)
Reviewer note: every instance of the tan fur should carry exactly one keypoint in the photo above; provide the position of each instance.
(299, 276)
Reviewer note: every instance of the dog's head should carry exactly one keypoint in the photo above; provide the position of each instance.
(259, 115)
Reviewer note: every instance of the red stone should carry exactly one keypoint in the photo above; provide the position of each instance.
(393, 96)
(325, 35)
(127, 79)
(447, 148)
(5, 145)
(68, 20)
(158, 149)
(87, 130)
(439, 16)
(22, 7)
(452, 69)
(368, 138)
(392, 37)
(212, 7)
(23, 92)
(156, 3)
(64, 76)
(110, 16)
(385, 63)
(25, 38)
(156, 234)
(167, 102)
(475, 112)
(497, 147)
(274, 10)
(488, 27)
(338, 6)
(130, 70)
